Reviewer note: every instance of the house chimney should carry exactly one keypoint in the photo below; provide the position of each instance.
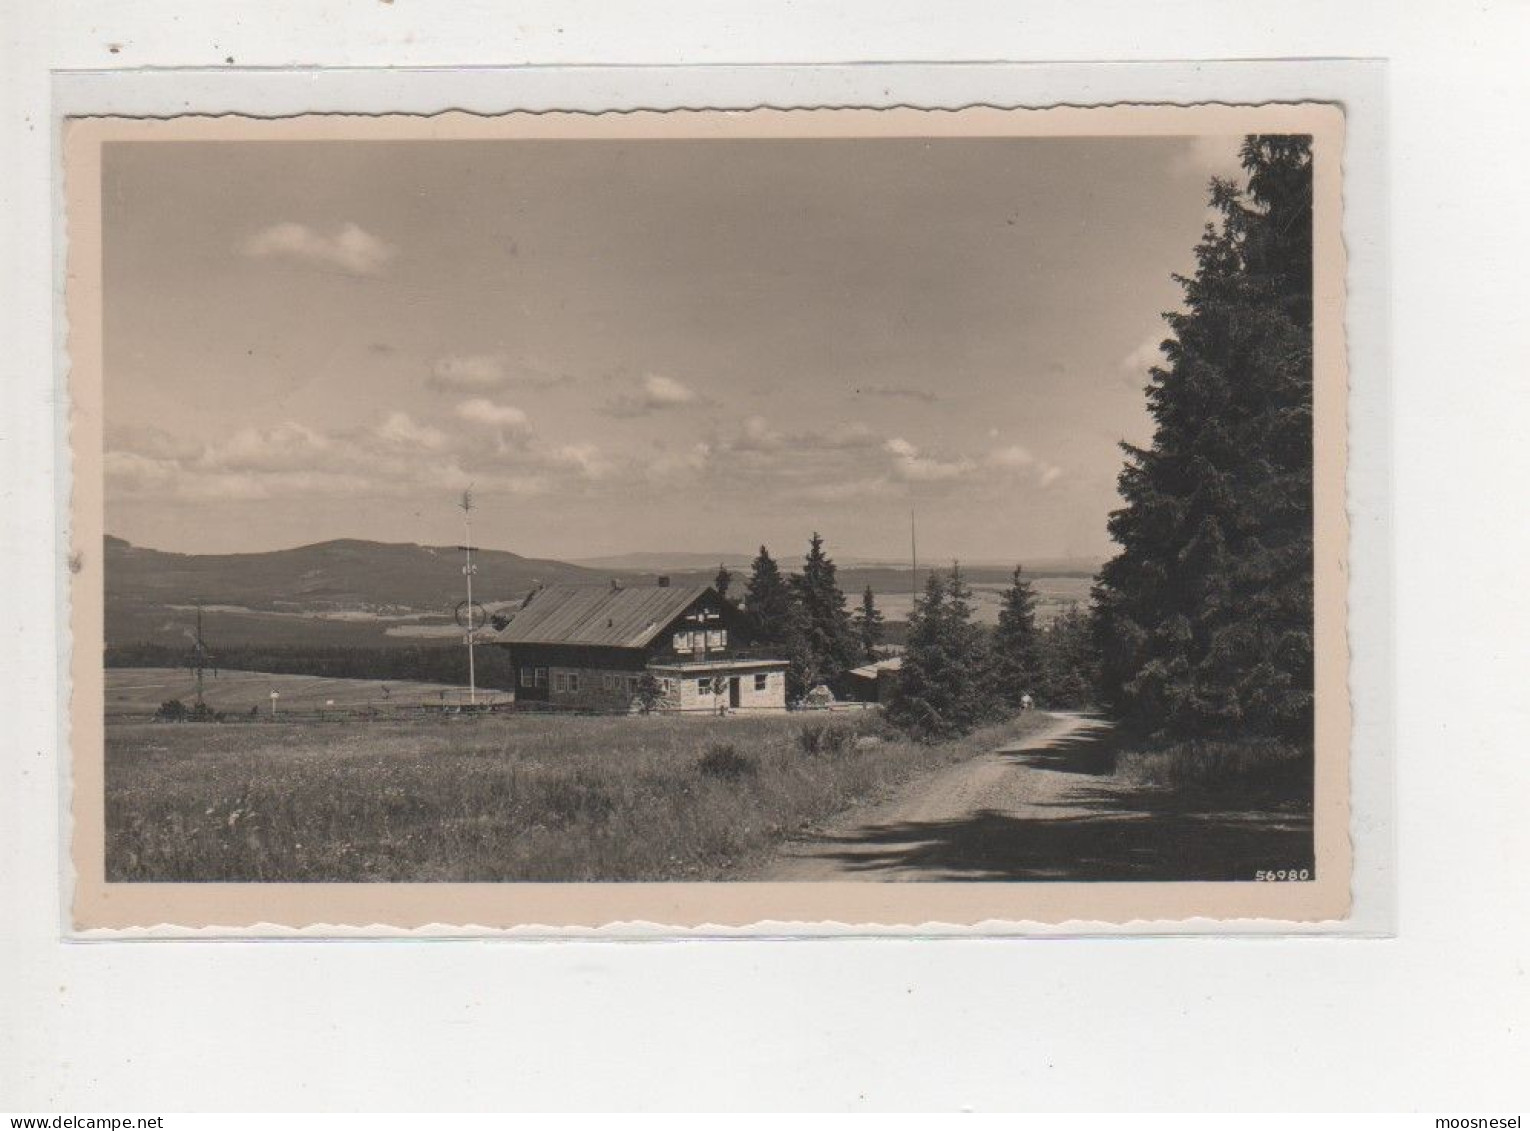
(616, 586)
(663, 581)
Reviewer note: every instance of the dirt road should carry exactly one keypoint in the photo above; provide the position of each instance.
(1047, 807)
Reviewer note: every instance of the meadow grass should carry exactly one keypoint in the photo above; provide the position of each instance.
(523, 798)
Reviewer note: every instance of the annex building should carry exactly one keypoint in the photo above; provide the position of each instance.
(586, 647)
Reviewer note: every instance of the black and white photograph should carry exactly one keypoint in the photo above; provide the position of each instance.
(721, 507)
(763, 557)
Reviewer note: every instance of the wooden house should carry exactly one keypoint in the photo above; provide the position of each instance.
(587, 647)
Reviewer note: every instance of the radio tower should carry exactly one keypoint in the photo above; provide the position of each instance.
(468, 569)
(913, 556)
(200, 655)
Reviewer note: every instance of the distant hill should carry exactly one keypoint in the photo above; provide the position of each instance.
(345, 574)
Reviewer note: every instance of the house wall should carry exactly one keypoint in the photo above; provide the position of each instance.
(591, 665)
(689, 696)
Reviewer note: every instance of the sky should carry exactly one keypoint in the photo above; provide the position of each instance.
(621, 346)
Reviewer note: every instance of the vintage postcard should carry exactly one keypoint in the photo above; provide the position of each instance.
(891, 519)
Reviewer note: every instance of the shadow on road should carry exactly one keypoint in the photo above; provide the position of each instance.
(1091, 752)
(1142, 846)
(1099, 829)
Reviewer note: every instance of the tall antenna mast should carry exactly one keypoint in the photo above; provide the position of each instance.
(913, 558)
(201, 650)
(468, 569)
(199, 655)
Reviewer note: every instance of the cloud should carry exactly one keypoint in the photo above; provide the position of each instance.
(1150, 353)
(853, 434)
(1019, 460)
(487, 373)
(147, 440)
(481, 410)
(584, 458)
(1013, 456)
(350, 248)
(848, 490)
(400, 429)
(279, 447)
(684, 461)
(394, 455)
(757, 435)
(912, 465)
(477, 373)
(655, 393)
(897, 392)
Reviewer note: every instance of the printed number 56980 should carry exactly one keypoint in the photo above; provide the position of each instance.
(1270, 875)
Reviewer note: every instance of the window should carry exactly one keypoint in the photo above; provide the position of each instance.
(703, 686)
(717, 638)
(541, 677)
(682, 642)
(608, 682)
(560, 681)
(527, 675)
(760, 680)
(573, 682)
(632, 684)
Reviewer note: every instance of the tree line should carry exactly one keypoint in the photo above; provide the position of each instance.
(955, 671)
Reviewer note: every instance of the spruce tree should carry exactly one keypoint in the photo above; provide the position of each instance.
(1204, 617)
(767, 600)
(827, 640)
(868, 621)
(722, 581)
(969, 646)
(1015, 665)
(1068, 667)
(919, 704)
(939, 692)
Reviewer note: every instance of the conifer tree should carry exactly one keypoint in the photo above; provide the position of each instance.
(1068, 673)
(939, 692)
(1015, 665)
(868, 624)
(767, 600)
(919, 704)
(722, 581)
(1204, 617)
(825, 636)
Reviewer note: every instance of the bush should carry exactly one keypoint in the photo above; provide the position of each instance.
(171, 711)
(825, 738)
(722, 760)
(1260, 766)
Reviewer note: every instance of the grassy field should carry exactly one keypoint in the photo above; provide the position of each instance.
(140, 691)
(492, 798)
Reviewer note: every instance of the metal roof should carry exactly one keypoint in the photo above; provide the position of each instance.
(599, 614)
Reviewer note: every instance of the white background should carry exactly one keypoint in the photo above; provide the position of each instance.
(1435, 1018)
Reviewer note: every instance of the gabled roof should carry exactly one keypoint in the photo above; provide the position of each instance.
(599, 614)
